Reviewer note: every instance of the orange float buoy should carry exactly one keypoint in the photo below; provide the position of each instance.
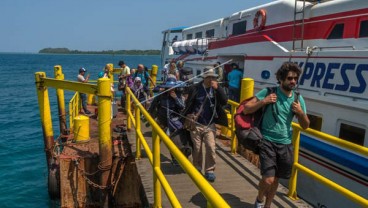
(259, 26)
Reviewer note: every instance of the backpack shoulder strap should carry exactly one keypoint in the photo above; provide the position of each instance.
(296, 95)
(146, 75)
(271, 90)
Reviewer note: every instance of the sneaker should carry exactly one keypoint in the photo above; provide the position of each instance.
(258, 204)
(87, 112)
(210, 177)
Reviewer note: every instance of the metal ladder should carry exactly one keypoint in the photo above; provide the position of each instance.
(298, 40)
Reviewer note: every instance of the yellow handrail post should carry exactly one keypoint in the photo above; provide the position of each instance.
(45, 114)
(58, 72)
(111, 74)
(246, 91)
(234, 142)
(247, 88)
(138, 131)
(156, 164)
(154, 71)
(128, 109)
(104, 126)
(294, 173)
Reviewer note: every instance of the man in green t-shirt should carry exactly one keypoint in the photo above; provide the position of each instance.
(276, 151)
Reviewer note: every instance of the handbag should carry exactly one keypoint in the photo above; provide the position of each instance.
(190, 122)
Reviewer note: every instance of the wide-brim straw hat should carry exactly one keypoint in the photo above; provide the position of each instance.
(209, 72)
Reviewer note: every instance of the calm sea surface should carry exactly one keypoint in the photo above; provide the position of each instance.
(23, 172)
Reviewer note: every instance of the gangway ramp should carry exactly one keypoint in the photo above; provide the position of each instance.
(236, 178)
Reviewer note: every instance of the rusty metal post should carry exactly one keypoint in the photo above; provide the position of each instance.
(105, 142)
(58, 72)
(45, 114)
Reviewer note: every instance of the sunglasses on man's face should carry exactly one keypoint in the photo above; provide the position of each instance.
(292, 78)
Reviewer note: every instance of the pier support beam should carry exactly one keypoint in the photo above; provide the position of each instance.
(104, 131)
(58, 72)
(45, 114)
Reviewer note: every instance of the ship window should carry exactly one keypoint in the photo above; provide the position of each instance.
(315, 122)
(198, 35)
(337, 32)
(189, 36)
(239, 27)
(363, 29)
(210, 33)
(198, 72)
(352, 133)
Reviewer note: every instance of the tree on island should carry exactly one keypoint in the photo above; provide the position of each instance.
(124, 52)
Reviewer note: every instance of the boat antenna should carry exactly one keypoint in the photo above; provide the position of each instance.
(181, 83)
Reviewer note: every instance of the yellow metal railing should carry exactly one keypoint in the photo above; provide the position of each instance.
(103, 91)
(214, 199)
(247, 85)
(74, 107)
(298, 167)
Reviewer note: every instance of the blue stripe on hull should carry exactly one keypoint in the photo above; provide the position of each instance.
(340, 156)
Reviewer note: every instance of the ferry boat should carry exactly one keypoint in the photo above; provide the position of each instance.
(329, 40)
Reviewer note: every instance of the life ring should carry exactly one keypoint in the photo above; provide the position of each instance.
(261, 25)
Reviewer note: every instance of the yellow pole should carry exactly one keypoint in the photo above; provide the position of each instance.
(246, 91)
(104, 133)
(156, 164)
(128, 109)
(247, 88)
(137, 130)
(58, 72)
(294, 173)
(234, 142)
(90, 99)
(154, 72)
(45, 114)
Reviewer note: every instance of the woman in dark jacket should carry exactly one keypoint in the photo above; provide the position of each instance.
(167, 108)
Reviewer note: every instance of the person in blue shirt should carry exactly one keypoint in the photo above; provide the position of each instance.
(275, 149)
(235, 77)
(144, 77)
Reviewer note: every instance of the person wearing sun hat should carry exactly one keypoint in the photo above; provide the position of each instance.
(205, 101)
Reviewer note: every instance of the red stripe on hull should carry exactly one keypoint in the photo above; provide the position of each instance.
(315, 28)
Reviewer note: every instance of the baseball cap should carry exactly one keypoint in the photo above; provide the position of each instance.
(82, 70)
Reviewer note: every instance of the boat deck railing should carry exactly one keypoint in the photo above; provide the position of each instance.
(74, 107)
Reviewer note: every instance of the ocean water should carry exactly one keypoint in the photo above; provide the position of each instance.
(23, 169)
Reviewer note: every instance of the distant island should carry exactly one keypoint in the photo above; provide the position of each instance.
(124, 52)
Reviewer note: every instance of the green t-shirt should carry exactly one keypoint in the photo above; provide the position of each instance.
(280, 131)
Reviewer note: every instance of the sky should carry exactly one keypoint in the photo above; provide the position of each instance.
(96, 25)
